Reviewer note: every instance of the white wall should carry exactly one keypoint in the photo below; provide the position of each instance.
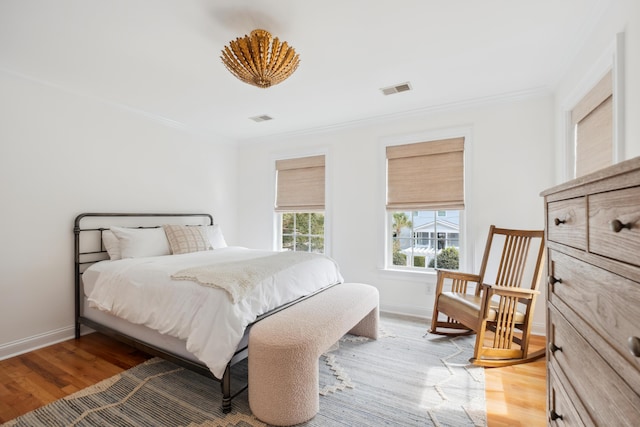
(62, 154)
(510, 163)
(592, 60)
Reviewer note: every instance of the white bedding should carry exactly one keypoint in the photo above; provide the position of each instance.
(141, 291)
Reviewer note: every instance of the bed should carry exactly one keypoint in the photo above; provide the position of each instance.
(169, 285)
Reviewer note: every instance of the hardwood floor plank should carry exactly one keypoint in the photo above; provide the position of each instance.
(44, 368)
(42, 376)
(515, 394)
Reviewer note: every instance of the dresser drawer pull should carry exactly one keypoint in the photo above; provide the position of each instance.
(553, 348)
(554, 415)
(634, 346)
(617, 225)
(559, 221)
(553, 280)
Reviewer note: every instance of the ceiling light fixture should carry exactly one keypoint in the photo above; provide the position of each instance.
(260, 59)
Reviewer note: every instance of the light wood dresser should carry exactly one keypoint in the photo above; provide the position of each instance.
(593, 298)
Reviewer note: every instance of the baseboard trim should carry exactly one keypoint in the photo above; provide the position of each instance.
(538, 329)
(25, 345)
(35, 342)
(407, 310)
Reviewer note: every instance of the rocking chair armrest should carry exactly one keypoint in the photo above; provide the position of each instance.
(510, 291)
(455, 276)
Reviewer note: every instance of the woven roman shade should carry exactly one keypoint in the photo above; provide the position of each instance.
(300, 184)
(426, 175)
(592, 118)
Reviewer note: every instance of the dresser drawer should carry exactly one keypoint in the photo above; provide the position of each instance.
(608, 302)
(567, 222)
(622, 206)
(608, 400)
(561, 409)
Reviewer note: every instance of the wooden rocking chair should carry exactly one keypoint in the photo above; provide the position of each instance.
(502, 304)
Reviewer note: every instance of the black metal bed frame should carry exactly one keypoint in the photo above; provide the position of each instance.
(83, 259)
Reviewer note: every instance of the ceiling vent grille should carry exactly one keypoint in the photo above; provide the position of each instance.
(262, 118)
(402, 87)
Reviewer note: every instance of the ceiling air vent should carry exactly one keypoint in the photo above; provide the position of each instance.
(402, 87)
(262, 118)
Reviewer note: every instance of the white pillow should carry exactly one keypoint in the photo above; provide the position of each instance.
(216, 237)
(111, 244)
(142, 242)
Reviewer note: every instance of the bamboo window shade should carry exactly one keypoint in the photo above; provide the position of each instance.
(426, 175)
(300, 184)
(592, 118)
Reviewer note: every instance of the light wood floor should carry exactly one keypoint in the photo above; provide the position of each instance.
(515, 394)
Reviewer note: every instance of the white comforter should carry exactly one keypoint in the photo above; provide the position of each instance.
(141, 291)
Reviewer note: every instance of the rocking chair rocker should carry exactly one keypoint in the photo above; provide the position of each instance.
(502, 304)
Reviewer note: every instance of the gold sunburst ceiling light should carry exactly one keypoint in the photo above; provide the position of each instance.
(260, 59)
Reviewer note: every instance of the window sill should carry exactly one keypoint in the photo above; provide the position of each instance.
(411, 275)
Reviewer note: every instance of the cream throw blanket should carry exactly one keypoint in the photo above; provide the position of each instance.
(239, 278)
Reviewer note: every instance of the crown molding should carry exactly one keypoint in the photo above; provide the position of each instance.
(485, 101)
(350, 124)
(170, 123)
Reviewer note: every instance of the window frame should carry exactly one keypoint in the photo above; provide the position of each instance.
(612, 59)
(277, 216)
(385, 260)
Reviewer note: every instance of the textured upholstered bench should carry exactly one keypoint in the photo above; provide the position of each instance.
(284, 350)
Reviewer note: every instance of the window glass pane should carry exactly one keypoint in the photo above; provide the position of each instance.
(317, 244)
(302, 223)
(303, 232)
(317, 223)
(287, 223)
(400, 247)
(302, 244)
(288, 243)
(425, 239)
(399, 258)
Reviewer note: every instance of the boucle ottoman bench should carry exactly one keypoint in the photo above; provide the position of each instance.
(284, 350)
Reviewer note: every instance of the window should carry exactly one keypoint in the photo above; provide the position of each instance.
(592, 120)
(425, 239)
(425, 199)
(300, 185)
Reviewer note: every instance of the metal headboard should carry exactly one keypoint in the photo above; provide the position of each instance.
(88, 246)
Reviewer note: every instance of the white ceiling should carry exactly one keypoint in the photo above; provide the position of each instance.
(160, 58)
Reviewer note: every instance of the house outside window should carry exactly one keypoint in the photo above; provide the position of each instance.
(426, 239)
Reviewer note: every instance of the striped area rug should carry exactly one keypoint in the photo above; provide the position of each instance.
(402, 379)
